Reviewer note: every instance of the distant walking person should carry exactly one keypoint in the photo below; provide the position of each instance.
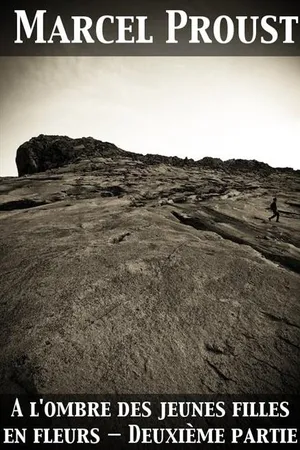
(273, 207)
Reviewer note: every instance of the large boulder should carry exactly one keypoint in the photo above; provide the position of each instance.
(48, 152)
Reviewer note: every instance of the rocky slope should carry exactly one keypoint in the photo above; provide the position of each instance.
(48, 152)
(130, 273)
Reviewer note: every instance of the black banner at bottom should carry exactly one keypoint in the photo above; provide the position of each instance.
(148, 421)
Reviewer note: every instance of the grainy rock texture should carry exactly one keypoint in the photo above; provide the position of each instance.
(123, 273)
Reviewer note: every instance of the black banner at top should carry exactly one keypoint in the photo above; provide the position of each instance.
(150, 28)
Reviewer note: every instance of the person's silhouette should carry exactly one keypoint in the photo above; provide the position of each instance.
(273, 207)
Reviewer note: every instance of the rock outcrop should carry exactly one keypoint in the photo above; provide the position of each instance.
(49, 152)
(127, 273)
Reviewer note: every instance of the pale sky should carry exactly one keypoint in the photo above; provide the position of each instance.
(226, 107)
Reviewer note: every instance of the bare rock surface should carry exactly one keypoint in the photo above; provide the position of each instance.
(120, 275)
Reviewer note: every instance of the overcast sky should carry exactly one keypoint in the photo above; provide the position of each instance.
(195, 107)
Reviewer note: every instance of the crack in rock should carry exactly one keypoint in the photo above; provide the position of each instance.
(208, 224)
